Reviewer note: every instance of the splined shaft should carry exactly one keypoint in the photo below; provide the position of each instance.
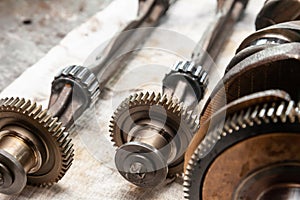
(153, 131)
(77, 88)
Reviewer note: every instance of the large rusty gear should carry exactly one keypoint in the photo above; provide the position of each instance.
(169, 134)
(254, 153)
(34, 146)
(262, 62)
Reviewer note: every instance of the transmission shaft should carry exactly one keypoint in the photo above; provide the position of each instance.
(153, 131)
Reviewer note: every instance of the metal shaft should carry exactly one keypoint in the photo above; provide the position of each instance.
(188, 80)
(77, 88)
(214, 38)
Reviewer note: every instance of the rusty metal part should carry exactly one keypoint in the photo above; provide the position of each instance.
(230, 156)
(34, 148)
(162, 138)
(260, 66)
(253, 154)
(154, 130)
(247, 101)
(277, 11)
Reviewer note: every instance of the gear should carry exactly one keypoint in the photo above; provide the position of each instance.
(259, 67)
(254, 144)
(152, 120)
(47, 151)
(191, 69)
(192, 76)
(83, 78)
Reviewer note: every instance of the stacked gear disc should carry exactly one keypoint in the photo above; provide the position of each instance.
(249, 149)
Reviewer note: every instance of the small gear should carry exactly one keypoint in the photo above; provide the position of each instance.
(193, 70)
(21, 120)
(170, 120)
(194, 74)
(83, 78)
(253, 144)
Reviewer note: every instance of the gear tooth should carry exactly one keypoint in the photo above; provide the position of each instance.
(52, 122)
(272, 113)
(290, 111)
(247, 119)
(74, 70)
(132, 97)
(263, 113)
(280, 111)
(62, 139)
(164, 100)
(42, 116)
(233, 123)
(9, 101)
(55, 127)
(145, 98)
(152, 96)
(25, 105)
(176, 107)
(255, 115)
(30, 108)
(36, 111)
(157, 99)
(140, 96)
(13, 102)
(20, 103)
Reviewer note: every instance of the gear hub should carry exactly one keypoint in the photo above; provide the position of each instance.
(35, 149)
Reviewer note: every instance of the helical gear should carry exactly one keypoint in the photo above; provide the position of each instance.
(173, 112)
(48, 130)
